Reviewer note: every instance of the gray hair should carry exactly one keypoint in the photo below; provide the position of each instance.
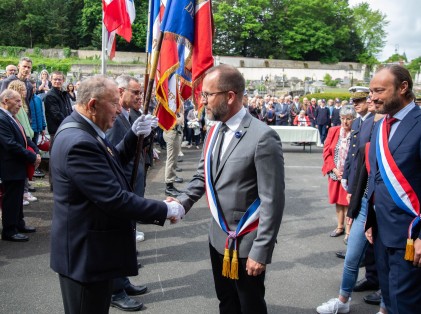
(93, 87)
(25, 59)
(348, 110)
(123, 81)
(44, 71)
(8, 93)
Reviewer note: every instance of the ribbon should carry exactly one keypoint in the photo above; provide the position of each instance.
(398, 186)
(248, 222)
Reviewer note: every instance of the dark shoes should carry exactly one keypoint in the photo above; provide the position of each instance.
(27, 229)
(171, 190)
(337, 232)
(135, 290)
(364, 285)
(178, 180)
(18, 237)
(178, 169)
(127, 304)
(341, 254)
(373, 298)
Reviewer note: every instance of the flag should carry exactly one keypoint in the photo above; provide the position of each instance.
(111, 42)
(119, 16)
(182, 64)
(177, 26)
(202, 58)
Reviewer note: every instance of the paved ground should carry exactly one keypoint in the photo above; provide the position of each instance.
(304, 272)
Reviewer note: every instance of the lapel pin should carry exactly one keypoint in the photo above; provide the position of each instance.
(238, 134)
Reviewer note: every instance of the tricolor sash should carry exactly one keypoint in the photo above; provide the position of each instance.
(248, 222)
(398, 186)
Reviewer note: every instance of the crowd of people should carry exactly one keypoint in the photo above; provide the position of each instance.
(371, 147)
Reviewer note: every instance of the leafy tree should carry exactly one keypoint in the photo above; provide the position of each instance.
(370, 27)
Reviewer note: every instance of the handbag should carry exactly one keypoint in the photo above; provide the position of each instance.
(30, 168)
(44, 144)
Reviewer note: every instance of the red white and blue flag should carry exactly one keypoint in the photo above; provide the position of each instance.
(181, 63)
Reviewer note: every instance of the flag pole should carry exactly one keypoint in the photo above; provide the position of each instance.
(104, 47)
(154, 65)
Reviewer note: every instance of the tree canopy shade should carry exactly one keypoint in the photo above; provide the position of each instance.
(314, 30)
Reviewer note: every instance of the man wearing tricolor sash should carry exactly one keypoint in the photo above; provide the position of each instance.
(242, 173)
(395, 190)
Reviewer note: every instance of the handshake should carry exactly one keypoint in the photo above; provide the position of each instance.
(175, 210)
(144, 125)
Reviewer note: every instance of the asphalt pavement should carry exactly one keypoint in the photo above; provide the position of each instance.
(304, 272)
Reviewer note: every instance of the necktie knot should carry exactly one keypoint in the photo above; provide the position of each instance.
(223, 128)
(389, 121)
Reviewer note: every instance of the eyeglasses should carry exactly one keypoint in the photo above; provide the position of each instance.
(134, 91)
(205, 95)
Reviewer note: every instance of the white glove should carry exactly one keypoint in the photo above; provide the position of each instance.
(344, 183)
(154, 121)
(175, 211)
(142, 126)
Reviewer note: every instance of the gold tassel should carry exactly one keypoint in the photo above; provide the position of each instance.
(226, 264)
(234, 265)
(409, 251)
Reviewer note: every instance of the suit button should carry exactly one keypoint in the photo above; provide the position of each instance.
(156, 222)
(355, 135)
(353, 145)
(353, 154)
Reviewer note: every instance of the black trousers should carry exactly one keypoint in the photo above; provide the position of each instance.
(370, 265)
(12, 215)
(85, 298)
(245, 295)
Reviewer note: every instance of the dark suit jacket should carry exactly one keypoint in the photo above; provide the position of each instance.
(92, 236)
(405, 147)
(281, 109)
(13, 154)
(351, 158)
(252, 166)
(115, 135)
(57, 107)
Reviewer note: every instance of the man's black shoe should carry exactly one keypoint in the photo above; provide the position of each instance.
(364, 285)
(171, 190)
(135, 290)
(27, 229)
(341, 254)
(373, 298)
(178, 169)
(18, 237)
(31, 189)
(178, 180)
(127, 304)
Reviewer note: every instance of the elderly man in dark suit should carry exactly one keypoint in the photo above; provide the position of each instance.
(14, 157)
(395, 190)
(242, 172)
(92, 234)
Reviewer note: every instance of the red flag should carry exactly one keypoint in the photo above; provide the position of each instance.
(119, 16)
(202, 58)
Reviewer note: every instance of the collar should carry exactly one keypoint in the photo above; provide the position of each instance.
(7, 112)
(234, 122)
(404, 111)
(93, 125)
(125, 113)
(365, 116)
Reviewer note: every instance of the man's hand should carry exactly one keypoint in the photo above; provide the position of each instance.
(254, 268)
(142, 126)
(154, 120)
(417, 254)
(369, 235)
(175, 211)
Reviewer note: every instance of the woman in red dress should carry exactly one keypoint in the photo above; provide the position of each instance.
(334, 155)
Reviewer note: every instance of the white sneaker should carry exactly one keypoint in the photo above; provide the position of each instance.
(29, 197)
(25, 203)
(180, 154)
(140, 236)
(334, 306)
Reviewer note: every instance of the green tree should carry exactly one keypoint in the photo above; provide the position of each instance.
(370, 26)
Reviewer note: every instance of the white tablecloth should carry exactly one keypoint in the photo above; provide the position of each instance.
(297, 134)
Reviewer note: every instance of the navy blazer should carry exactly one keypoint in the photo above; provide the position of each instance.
(115, 135)
(92, 235)
(282, 109)
(354, 145)
(13, 153)
(405, 147)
